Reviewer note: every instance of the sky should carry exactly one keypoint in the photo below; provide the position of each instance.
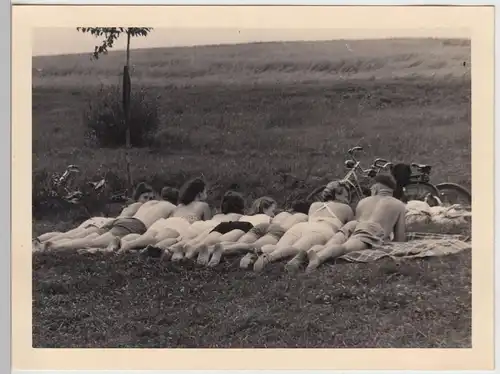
(55, 41)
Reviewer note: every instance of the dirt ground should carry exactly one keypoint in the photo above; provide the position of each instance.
(250, 114)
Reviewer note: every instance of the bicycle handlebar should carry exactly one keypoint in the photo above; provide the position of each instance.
(354, 149)
(380, 161)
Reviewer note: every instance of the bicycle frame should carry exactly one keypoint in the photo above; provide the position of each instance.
(352, 174)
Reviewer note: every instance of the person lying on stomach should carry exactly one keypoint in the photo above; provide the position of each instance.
(377, 218)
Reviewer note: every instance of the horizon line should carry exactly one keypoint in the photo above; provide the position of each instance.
(380, 38)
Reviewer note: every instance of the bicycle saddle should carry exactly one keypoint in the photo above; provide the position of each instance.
(421, 166)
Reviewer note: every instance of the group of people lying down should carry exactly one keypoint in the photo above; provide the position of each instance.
(181, 225)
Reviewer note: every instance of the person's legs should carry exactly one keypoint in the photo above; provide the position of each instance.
(202, 249)
(80, 233)
(294, 264)
(243, 245)
(333, 251)
(103, 241)
(70, 244)
(178, 247)
(297, 238)
(304, 243)
(338, 238)
(139, 242)
(248, 237)
(48, 235)
(130, 237)
(191, 247)
(76, 233)
(217, 251)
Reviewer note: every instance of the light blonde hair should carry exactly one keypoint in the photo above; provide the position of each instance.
(261, 204)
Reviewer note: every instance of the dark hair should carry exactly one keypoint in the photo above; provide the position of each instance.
(232, 202)
(328, 195)
(387, 180)
(190, 190)
(331, 190)
(170, 194)
(261, 204)
(140, 189)
(301, 206)
(401, 173)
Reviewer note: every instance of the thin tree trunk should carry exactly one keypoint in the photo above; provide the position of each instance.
(127, 115)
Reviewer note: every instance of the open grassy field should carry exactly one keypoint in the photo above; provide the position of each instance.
(250, 114)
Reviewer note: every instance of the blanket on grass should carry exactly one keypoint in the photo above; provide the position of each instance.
(418, 245)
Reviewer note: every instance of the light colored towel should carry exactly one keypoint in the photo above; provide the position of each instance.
(418, 245)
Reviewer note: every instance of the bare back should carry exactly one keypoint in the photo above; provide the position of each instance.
(130, 210)
(387, 211)
(194, 211)
(153, 210)
(331, 211)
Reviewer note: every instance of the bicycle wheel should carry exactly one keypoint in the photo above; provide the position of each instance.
(418, 191)
(452, 193)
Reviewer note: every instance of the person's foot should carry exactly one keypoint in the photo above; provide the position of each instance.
(166, 255)
(121, 251)
(216, 256)
(153, 251)
(47, 246)
(115, 244)
(203, 255)
(294, 264)
(314, 261)
(37, 245)
(261, 263)
(247, 260)
(191, 252)
(177, 256)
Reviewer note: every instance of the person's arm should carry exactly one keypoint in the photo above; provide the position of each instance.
(400, 228)
(207, 212)
(130, 210)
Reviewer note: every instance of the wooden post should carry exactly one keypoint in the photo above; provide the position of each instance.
(126, 111)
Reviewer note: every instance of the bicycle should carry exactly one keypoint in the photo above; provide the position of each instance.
(63, 190)
(351, 182)
(419, 187)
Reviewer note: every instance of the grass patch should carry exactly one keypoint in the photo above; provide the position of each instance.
(107, 301)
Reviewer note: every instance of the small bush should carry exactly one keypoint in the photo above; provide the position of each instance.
(105, 118)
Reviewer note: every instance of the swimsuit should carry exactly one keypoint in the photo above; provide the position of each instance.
(260, 230)
(370, 233)
(225, 227)
(276, 231)
(333, 220)
(124, 226)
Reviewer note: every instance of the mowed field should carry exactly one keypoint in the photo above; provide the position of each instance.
(251, 114)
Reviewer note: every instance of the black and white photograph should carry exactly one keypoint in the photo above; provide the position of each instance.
(251, 188)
